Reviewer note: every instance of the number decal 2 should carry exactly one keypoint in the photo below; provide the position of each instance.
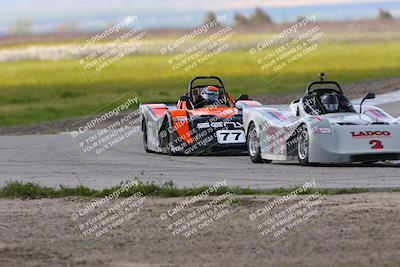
(376, 144)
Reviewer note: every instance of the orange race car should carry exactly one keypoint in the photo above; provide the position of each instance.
(206, 119)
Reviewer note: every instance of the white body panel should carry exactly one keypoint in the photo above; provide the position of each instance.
(333, 138)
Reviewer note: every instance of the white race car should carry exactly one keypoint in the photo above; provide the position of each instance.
(322, 127)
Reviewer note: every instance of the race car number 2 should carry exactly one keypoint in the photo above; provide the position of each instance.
(230, 136)
(376, 144)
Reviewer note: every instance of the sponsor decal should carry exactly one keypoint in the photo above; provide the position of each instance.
(220, 124)
(367, 134)
(235, 124)
(278, 116)
(217, 124)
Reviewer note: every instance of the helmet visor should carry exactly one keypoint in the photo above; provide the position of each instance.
(331, 107)
(210, 95)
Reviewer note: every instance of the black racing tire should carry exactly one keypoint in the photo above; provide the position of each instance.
(145, 144)
(303, 147)
(253, 146)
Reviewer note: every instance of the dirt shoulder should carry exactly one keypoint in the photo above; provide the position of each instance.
(348, 230)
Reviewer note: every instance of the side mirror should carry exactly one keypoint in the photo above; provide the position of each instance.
(243, 97)
(370, 95)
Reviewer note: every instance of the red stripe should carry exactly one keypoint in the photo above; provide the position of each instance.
(158, 109)
(373, 111)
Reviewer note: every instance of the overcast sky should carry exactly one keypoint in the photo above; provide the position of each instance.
(45, 14)
(33, 5)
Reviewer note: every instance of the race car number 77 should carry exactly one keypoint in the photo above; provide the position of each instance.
(230, 136)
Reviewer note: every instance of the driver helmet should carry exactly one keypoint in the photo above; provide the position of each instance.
(330, 102)
(210, 94)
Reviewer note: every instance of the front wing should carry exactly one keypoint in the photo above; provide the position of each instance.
(355, 143)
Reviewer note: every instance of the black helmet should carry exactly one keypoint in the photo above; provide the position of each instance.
(330, 102)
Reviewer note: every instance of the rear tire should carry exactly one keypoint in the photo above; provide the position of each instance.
(303, 147)
(253, 146)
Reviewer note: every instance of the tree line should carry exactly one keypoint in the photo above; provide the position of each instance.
(259, 16)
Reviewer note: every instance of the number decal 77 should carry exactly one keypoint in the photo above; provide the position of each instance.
(237, 135)
(225, 136)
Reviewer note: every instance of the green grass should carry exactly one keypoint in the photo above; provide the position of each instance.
(40, 91)
(15, 189)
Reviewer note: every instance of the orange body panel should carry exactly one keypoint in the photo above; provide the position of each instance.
(181, 124)
(180, 119)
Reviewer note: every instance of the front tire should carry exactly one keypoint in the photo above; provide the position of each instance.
(253, 146)
(145, 143)
(303, 147)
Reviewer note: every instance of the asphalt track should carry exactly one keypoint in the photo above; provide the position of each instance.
(56, 159)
